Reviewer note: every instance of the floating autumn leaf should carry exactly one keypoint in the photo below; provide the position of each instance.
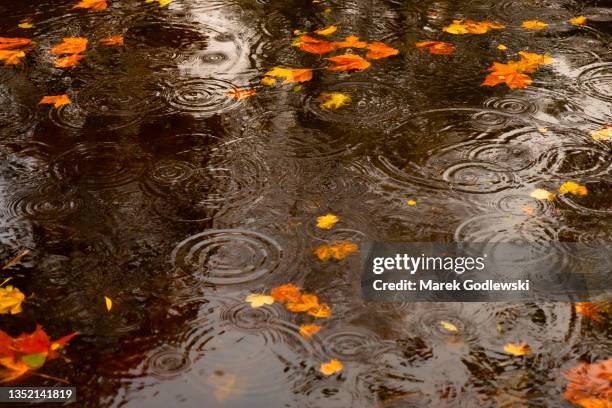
(534, 25)
(313, 45)
(286, 293)
(268, 81)
(339, 250)
(506, 74)
(321, 311)
(602, 134)
(69, 61)
(588, 309)
(97, 5)
(309, 330)
(7, 43)
(27, 352)
(332, 367)
(240, 94)
(578, 21)
(530, 61)
(291, 75)
(112, 40)
(162, 3)
(333, 100)
(437, 47)
(448, 326)
(542, 194)
(11, 57)
(55, 100)
(10, 300)
(306, 302)
(411, 202)
(327, 30)
(108, 302)
(517, 349)
(26, 24)
(327, 221)
(70, 45)
(472, 27)
(571, 187)
(590, 385)
(352, 41)
(348, 62)
(502, 47)
(257, 300)
(378, 50)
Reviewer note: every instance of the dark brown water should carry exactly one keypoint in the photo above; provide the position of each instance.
(157, 190)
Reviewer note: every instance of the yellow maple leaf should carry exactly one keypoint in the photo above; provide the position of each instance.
(542, 194)
(471, 27)
(517, 349)
(571, 187)
(534, 25)
(327, 31)
(602, 134)
(55, 100)
(332, 367)
(258, 300)
(580, 20)
(327, 221)
(333, 100)
(291, 75)
(530, 61)
(109, 303)
(448, 326)
(10, 300)
(309, 330)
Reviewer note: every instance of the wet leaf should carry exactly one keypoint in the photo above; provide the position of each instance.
(291, 75)
(268, 81)
(602, 134)
(304, 303)
(97, 5)
(112, 40)
(534, 25)
(448, 326)
(109, 303)
(321, 311)
(578, 21)
(352, 41)
(339, 250)
(10, 300)
(314, 45)
(12, 369)
(588, 309)
(541, 194)
(35, 360)
(7, 43)
(348, 62)
(571, 187)
(25, 24)
(162, 3)
(309, 330)
(240, 94)
(472, 27)
(502, 47)
(327, 221)
(257, 300)
(327, 31)
(411, 202)
(590, 385)
(332, 367)
(70, 45)
(517, 349)
(55, 100)
(11, 57)
(437, 47)
(530, 61)
(378, 50)
(507, 74)
(332, 100)
(286, 293)
(69, 61)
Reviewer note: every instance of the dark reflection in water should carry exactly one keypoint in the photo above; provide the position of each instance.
(158, 190)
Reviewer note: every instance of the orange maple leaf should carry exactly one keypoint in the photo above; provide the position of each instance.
(321, 311)
(339, 250)
(291, 75)
(352, 41)
(306, 302)
(69, 61)
(508, 74)
(13, 43)
(314, 45)
(112, 40)
(70, 45)
(590, 385)
(286, 293)
(378, 50)
(348, 62)
(11, 57)
(97, 5)
(55, 100)
(437, 47)
(240, 94)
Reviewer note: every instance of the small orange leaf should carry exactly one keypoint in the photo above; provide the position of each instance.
(314, 45)
(321, 311)
(437, 47)
(309, 330)
(332, 367)
(112, 40)
(55, 100)
(7, 43)
(339, 250)
(304, 304)
(571, 187)
(534, 25)
(70, 45)
(69, 61)
(352, 41)
(517, 349)
(348, 62)
(378, 50)
(327, 221)
(97, 5)
(286, 293)
(577, 21)
(240, 94)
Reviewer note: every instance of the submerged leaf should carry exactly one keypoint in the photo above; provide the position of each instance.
(348, 62)
(327, 221)
(10, 300)
(588, 309)
(448, 326)
(97, 5)
(112, 40)
(257, 300)
(109, 303)
(332, 367)
(55, 100)
(534, 25)
(291, 75)
(517, 349)
(333, 100)
(268, 81)
(571, 187)
(378, 50)
(437, 47)
(69, 61)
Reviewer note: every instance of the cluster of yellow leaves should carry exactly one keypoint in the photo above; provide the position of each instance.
(602, 134)
(569, 187)
(298, 302)
(12, 50)
(437, 47)
(97, 5)
(472, 27)
(517, 349)
(55, 100)
(514, 73)
(73, 46)
(339, 250)
(590, 385)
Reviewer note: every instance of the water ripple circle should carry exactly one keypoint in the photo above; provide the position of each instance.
(202, 97)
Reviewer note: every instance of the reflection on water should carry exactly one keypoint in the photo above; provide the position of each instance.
(158, 190)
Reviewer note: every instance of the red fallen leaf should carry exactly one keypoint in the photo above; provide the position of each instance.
(13, 43)
(378, 50)
(69, 61)
(314, 45)
(590, 385)
(112, 40)
(70, 45)
(97, 5)
(352, 41)
(348, 62)
(437, 47)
